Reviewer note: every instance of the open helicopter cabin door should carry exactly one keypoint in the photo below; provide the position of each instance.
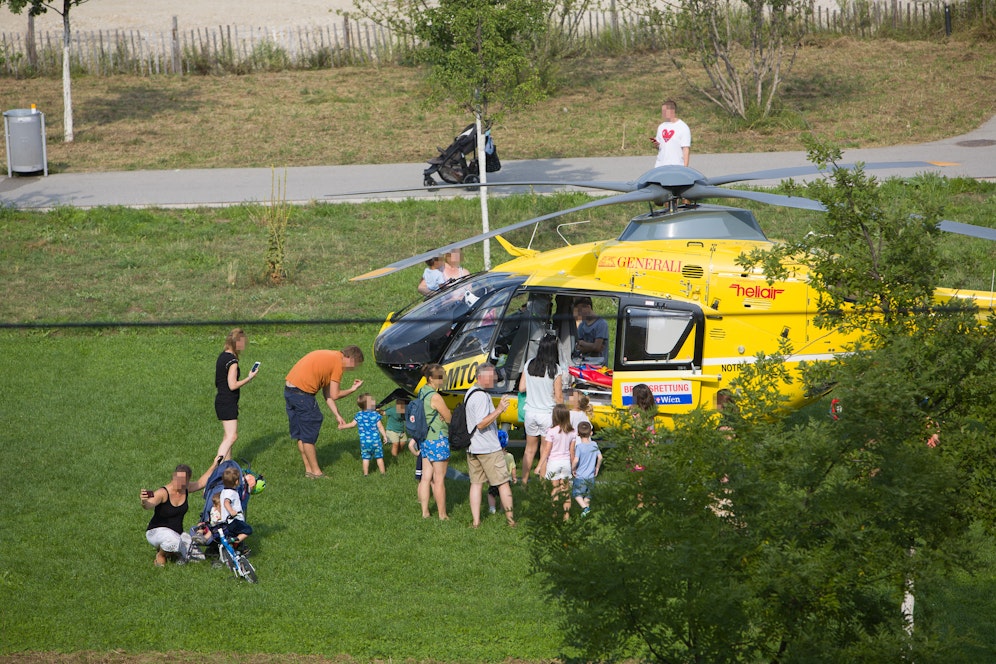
(661, 347)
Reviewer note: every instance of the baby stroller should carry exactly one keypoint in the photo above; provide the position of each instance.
(249, 483)
(452, 164)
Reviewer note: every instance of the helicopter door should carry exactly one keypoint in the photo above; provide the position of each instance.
(527, 319)
(661, 348)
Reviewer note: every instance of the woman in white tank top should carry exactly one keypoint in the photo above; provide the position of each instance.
(541, 381)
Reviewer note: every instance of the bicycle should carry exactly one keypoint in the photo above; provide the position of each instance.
(234, 560)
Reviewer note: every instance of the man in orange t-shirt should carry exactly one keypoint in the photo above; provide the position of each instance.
(318, 370)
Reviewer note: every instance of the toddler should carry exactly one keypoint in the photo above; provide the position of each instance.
(580, 407)
(509, 463)
(215, 517)
(371, 430)
(395, 433)
(231, 507)
(586, 461)
(433, 275)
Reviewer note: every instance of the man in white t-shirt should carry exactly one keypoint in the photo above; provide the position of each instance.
(485, 457)
(673, 138)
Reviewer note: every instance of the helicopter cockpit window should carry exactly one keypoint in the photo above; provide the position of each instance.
(476, 334)
(653, 336)
(695, 225)
(458, 298)
(424, 332)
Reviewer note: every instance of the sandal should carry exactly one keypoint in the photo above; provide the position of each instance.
(314, 476)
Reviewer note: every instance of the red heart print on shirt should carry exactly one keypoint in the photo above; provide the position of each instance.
(667, 135)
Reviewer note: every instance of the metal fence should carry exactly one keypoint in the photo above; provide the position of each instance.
(239, 49)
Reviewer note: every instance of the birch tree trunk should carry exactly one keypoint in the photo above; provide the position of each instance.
(67, 85)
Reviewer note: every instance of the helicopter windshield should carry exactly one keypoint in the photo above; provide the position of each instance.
(423, 332)
(713, 223)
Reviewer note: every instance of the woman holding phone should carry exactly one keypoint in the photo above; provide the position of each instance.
(228, 382)
(169, 502)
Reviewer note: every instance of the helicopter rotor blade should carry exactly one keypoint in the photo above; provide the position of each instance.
(671, 177)
(646, 194)
(969, 230)
(793, 171)
(699, 191)
(593, 184)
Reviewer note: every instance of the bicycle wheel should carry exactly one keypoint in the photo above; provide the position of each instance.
(248, 571)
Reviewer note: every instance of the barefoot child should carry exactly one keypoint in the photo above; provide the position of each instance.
(586, 461)
(371, 430)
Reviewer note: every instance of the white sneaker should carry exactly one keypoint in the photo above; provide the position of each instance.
(491, 510)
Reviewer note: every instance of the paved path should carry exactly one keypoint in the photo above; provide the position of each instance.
(971, 155)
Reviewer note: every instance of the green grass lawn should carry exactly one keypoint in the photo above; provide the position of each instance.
(346, 565)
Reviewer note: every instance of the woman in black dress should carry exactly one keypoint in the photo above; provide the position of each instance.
(226, 379)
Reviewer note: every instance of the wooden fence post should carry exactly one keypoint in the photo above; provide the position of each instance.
(175, 48)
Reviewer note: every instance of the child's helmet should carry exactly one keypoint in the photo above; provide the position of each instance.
(503, 438)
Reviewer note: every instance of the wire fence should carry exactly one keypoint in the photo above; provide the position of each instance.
(240, 49)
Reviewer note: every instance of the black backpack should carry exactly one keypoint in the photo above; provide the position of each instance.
(416, 425)
(460, 434)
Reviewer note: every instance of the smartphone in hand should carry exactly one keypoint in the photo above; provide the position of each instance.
(148, 493)
(255, 366)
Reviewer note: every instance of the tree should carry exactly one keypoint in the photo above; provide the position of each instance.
(744, 48)
(478, 52)
(479, 57)
(36, 7)
(766, 537)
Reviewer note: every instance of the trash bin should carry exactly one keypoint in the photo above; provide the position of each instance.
(24, 129)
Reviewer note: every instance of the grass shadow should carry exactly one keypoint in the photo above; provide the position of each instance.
(258, 445)
(138, 102)
(811, 91)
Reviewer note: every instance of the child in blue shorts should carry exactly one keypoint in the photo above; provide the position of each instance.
(586, 461)
(372, 433)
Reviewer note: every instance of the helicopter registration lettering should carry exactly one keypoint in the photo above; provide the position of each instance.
(666, 393)
(640, 263)
(462, 375)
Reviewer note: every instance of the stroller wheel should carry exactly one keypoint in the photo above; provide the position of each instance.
(471, 179)
(428, 181)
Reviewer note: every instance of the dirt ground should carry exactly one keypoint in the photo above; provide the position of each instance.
(158, 16)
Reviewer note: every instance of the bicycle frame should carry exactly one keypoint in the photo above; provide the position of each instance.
(235, 560)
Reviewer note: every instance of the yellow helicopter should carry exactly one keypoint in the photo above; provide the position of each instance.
(680, 315)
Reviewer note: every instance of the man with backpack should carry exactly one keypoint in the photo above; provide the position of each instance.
(485, 458)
